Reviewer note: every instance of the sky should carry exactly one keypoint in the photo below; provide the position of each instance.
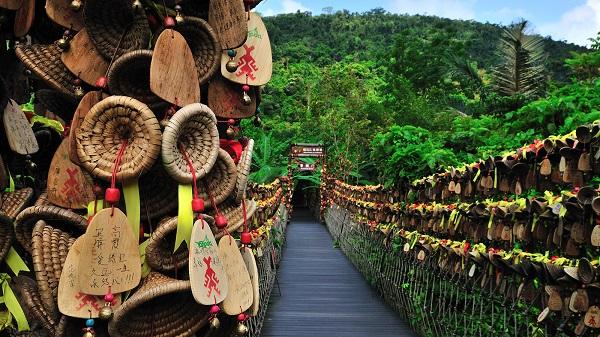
(572, 20)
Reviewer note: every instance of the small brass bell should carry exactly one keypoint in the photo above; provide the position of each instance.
(137, 5)
(246, 99)
(215, 324)
(63, 43)
(75, 5)
(88, 334)
(231, 66)
(230, 132)
(257, 121)
(105, 313)
(79, 91)
(241, 329)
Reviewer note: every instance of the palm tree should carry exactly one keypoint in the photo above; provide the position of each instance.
(521, 71)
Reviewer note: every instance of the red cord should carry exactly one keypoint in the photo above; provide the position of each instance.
(191, 168)
(244, 212)
(113, 181)
(212, 199)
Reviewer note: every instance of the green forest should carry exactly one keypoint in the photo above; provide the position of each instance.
(397, 97)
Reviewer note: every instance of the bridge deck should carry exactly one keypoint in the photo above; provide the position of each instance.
(322, 294)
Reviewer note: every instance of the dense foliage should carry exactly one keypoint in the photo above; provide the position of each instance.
(396, 97)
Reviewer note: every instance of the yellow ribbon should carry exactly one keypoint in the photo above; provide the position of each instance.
(15, 262)
(185, 216)
(13, 306)
(131, 190)
(145, 266)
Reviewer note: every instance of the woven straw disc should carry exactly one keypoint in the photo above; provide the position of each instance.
(112, 120)
(195, 127)
(161, 307)
(14, 202)
(159, 252)
(108, 20)
(6, 235)
(50, 247)
(44, 61)
(158, 193)
(204, 44)
(130, 76)
(243, 170)
(53, 215)
(27, 293)
(61, 104)
(235, 215)
(220, 181)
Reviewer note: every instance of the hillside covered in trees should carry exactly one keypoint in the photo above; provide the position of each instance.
(401, 96)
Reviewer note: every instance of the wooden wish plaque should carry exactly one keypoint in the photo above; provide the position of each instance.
(82, 58)
(207, 275)
(24, 18)
(250, 262)
(173, 74)
(253, 58)
(110, 258)
(71, 300)
(225, 99)
(61, 13)
(68, 185)
(13, 5)
(18, 131)
(240, 296)
(87, 102)
(228, 19)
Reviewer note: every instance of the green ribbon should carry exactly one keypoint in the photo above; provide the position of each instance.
(13, 306)
(185, 216)
(131, 190)
(15, 262)
(145, 266)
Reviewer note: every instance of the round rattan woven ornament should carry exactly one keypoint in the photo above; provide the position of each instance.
(203, 42)
(130, 76)
(44, 61)
(159, 252)
(50, 247)
(59, 103)
(243, 170)
(7, 235)
(220, 182)
(109, 124)
(115, 26)
(52, 215)
(14, 202)
(26, 291)
(163, 307)
(4, 96)
(235, 215)
(193, 127)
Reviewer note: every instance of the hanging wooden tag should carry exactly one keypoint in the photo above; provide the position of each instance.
(562, 165)
(254, 58)
(68, 185)
(518, 188)
(24, 18)
(12, 5)
(457, 188)
(579, 301)
(18, 131)
(61, 13)
(421, 255)
(555, 302)
(542, 316)
(110, 258)
(83, 59)
(228, 19)
(451, 186)
(506, 233)
(580, 328)
(71, 300)
(240, 295)
(592, 317)
(173, 75)
(546, 167)
(250, 262)
(87, 102)
(595, 239)
(571, 249)
(584, 164)
(225, 99)
(578, 232)
(207, 275)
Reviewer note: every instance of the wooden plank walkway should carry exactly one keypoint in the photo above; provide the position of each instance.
(322, 294)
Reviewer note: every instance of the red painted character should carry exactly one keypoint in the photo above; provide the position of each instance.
(247, 64)
(211, 282)
(592, 321)
(85, 299)
(70, 188)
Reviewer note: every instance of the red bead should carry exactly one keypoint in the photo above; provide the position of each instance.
(102, 82)
(112, 195)
(221, 221)
(231, 121)
(109, 297)
(198, 205)
(169, 22)
(98, 191)
(242, 317)
(246, 88)
(214, 309)
(246, 238)
(77, 82)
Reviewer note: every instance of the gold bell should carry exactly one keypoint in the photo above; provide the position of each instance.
(63, 43)
(75, 5)
(79, 91)
(137, 4)
(88, 334)
(246, 99)
(215, 324)
(105, 313)
(241, 329)
(231, 66)
(230, 132)
(179, 18)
